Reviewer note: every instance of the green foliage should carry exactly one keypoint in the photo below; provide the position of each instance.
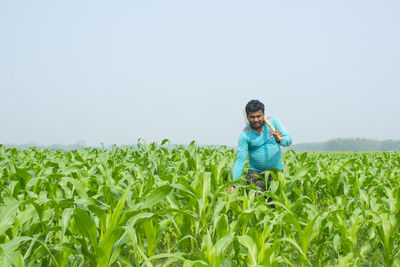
(155, 206)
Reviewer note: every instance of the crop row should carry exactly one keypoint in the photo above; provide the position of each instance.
(155, 206)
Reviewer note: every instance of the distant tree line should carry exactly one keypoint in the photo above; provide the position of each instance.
(349, 144)
(77, 145)
(339, 144)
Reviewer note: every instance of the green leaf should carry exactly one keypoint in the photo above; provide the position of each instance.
(86, 226)
(8, 258)
(150, 231)
(156, 196)
(294, 243)
(346, 260)
(248, 242)
(8, 253)
(163, 142)
(190, 263)
(177, 255)
(223, 243)
(7, 216)
(113, 231)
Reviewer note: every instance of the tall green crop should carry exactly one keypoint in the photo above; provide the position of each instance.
(156, 206)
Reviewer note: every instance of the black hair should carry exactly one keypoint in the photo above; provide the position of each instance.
(253, 106)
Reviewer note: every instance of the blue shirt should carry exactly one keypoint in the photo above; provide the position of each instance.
(263, 150)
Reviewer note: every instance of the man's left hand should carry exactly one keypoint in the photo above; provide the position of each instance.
(278, 135)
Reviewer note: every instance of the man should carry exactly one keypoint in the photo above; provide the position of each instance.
(261, 144)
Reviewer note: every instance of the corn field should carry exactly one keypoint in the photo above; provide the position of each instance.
(158, 205)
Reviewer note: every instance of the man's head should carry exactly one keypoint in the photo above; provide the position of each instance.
(253, 106)
(255, 114)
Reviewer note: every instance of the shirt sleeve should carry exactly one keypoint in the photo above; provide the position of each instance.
(286, 138)
(241, 157)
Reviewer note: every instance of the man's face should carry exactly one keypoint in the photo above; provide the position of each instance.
(256, 119)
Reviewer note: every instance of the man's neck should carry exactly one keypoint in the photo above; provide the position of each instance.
(259, 130)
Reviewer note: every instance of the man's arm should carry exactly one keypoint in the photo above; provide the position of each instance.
(286, 138)
(243, 148)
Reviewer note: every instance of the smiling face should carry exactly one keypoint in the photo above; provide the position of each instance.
(256, 119)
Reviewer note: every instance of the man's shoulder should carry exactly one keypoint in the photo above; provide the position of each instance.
(246, 128)
(273, 120)
(244, 134)
(270, 118)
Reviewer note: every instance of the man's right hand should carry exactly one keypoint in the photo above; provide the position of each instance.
(231, 189)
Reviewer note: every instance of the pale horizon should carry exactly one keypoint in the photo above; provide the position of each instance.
(114, 72)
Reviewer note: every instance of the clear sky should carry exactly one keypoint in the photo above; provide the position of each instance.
(115, 71)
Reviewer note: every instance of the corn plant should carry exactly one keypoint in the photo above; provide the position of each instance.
(162, 205)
